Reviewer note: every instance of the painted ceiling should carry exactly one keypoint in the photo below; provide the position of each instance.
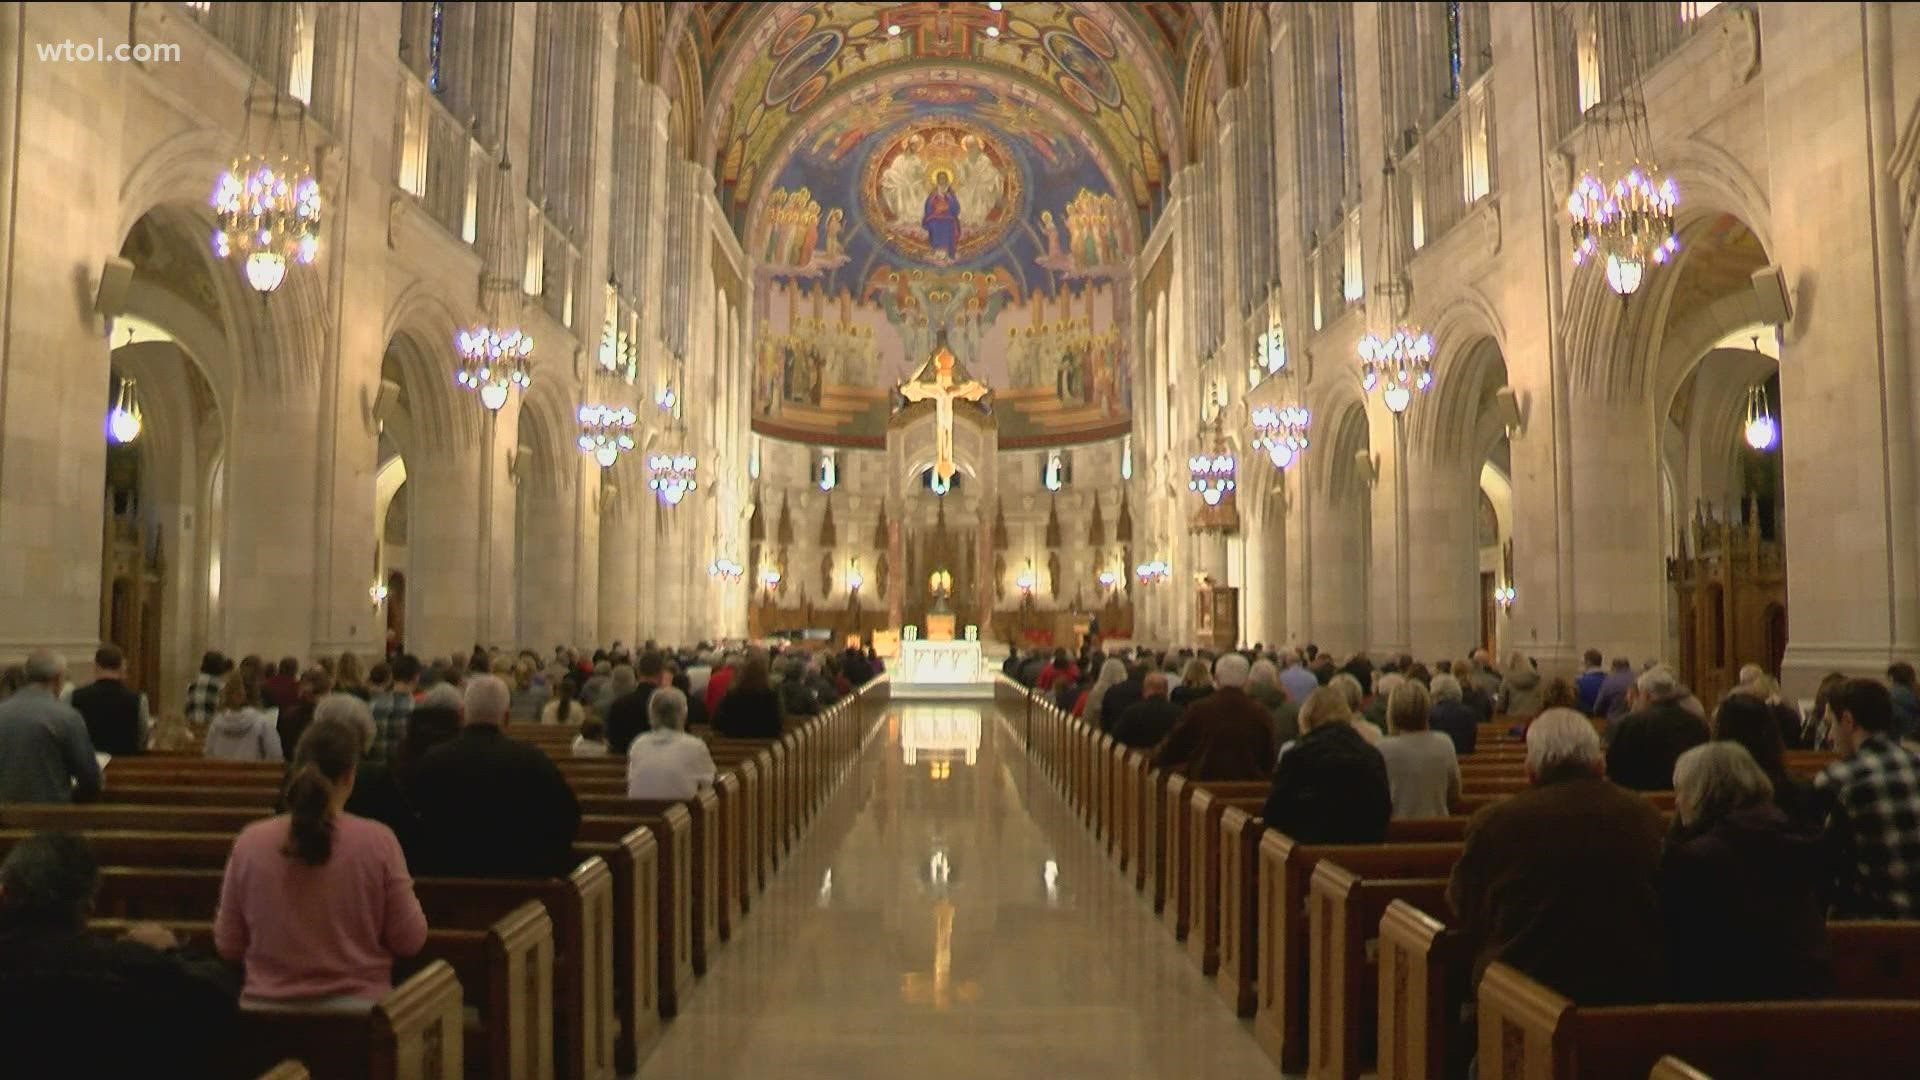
(1107, 75)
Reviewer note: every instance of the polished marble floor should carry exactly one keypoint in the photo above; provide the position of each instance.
(946, 918)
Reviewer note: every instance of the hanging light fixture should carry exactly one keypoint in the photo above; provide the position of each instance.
(123, 419)
(1762, 430)
(495, 354)
(673, 476)
(266, 203)
(725, 568)
(1153, 572)
(1504, 596)
(1211, 471)
(606, 432)
(1026, 580)
(1396, 355)
(1281, 432)
(1623, 211)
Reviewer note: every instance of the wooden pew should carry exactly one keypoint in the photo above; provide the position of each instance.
(505, 971)
(1204, 810)
(1423, 972)
(414, 1033)
(1345, 910)
(1286, 869)
(177, 875)
(1528, 1032)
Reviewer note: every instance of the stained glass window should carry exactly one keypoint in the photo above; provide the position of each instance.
(1453, 47)
(434, 81)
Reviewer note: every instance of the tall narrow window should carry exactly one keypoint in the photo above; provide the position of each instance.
(300, 55)
(1588, 60)
(1690, 12)
(1453, 48)
(1477, 164)
(1356, 285)
(435, 38)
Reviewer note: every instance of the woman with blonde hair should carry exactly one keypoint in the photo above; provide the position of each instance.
(1423, 772)
(1330, 786)
(350, 678)
(1196, 682)
(1112, 673)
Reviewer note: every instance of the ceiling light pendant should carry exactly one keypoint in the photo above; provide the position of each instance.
(1281, 432)
(496, 355)
(1211, 471)
(1762, 430)
(673, 476)
(266, 203)
(606, 432)
(1396, 356)
(1623, 212)
(123, 419)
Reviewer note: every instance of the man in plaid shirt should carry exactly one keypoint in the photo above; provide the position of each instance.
(391, 709)
(203, 693)
(1873, 808)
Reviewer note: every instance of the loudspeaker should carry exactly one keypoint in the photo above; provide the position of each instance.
(1770, 292)
(1506, 407)
(116, 277)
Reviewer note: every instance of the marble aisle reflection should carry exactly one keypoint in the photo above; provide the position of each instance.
(946, 918)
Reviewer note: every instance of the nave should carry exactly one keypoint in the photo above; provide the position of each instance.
(947, 917)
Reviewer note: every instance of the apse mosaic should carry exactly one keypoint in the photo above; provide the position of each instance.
(794, 57)
(941, 212)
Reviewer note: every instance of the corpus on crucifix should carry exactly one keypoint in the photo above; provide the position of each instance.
(936, 382)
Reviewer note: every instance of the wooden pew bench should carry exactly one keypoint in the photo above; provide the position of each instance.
(1528, 1032)
(505, 976)
(1283, 938)
(151, 875)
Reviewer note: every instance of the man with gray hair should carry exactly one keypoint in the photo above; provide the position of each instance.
(1560, 880)
(45, 754)
(1226, 735)
(666, 762)
(491, 806)
(1644, 745)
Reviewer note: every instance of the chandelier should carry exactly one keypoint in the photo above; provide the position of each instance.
(725, 568)
(123, 420)
(266, 203)
(1026, 580)
(1281, 432)
(1153, 572)
(495, 354)
(672, 476)
(1622, 212)
(1210, 472)
(1396, 356)
(1762, 430)
(606, 432)
(1504, 596)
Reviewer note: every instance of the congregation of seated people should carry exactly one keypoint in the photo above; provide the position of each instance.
(398, 769)
(1577, 881)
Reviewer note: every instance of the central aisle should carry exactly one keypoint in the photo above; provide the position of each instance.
(946, 918)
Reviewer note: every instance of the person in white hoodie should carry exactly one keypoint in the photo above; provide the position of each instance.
(240, 731)
(666, 762)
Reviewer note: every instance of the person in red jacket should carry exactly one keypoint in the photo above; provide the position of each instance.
(721, 678)
(1062, 667)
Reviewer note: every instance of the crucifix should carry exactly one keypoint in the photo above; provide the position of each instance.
(941, 389)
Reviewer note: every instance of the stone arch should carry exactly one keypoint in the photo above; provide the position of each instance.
(419, 328)
(1468, 350)
(548, 425)
(1607, 343)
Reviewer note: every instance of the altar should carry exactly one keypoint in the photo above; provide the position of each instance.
(945, 669)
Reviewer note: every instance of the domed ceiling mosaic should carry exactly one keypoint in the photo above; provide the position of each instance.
(907, 174)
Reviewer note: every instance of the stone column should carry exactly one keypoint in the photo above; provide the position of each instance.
(619, 565)
(359, 185)
(63, 121)
(267, 553)
(1851, 510)
(547, 530)
(1443, 557)
(444, 550)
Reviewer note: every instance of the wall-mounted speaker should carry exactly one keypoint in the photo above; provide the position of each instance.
(1770, 292)
(116, 277)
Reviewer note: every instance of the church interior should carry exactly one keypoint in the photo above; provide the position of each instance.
(1128, 445)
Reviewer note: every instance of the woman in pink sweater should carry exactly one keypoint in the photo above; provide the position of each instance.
(317, 903)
